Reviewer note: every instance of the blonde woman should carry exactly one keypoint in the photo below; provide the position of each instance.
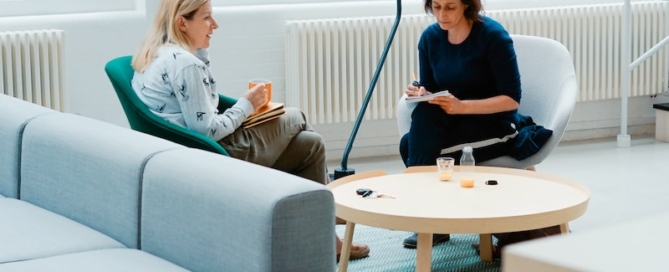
(172, 77)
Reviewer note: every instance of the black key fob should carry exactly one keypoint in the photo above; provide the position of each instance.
(363, 191)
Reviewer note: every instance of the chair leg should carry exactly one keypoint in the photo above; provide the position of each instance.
(531, 168)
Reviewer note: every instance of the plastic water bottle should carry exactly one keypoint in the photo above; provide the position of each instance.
(467, 161)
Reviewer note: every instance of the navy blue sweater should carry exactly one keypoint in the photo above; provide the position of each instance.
(482, 66)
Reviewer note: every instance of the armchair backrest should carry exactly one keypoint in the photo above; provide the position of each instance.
(550, 91)
(140, 118)
(548, 80)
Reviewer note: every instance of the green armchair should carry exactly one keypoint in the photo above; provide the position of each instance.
(141, 119)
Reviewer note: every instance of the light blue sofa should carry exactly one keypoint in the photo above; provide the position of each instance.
(77, 194)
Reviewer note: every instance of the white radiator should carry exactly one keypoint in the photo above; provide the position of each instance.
(31, 66)
(330, 62)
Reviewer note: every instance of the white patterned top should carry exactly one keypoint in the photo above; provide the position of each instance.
(179, 87)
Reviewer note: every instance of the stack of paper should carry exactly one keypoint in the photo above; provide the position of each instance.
(270, 112)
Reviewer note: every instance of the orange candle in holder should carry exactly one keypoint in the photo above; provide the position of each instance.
(445, 176)
(467, 182)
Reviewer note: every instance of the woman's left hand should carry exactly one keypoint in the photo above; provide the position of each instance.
(452, 105)
(449, 104)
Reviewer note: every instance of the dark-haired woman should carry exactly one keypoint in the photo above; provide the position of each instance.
(472, 56)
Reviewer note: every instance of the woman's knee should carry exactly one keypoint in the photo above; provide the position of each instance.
(313, 140)
(295, 114)
(296, 117)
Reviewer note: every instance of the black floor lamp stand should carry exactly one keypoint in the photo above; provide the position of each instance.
(344, 170)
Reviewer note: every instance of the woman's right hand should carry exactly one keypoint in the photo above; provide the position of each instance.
(416, 91)
(257, 96)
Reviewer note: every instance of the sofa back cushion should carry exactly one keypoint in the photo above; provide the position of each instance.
(216, 213)
(87, 170)
(14, 114)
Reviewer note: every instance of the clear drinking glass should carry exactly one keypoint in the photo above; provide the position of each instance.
(445, 167)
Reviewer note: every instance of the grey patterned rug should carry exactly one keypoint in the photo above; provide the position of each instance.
(388, 254)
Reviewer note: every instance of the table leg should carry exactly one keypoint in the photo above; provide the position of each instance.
(564, 228)
(485, 249)
(346, 246)
(424, 252)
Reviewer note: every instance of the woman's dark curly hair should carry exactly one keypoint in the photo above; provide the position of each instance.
(471, 12)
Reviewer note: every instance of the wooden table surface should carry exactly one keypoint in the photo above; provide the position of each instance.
(422, 203)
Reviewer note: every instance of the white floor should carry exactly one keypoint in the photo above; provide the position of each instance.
(626, 183)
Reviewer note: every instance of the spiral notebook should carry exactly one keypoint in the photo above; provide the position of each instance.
(412, 99)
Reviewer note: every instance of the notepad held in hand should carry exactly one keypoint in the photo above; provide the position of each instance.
(270, 112)
(411, 99)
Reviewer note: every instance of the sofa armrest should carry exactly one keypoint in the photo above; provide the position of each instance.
(208, 212)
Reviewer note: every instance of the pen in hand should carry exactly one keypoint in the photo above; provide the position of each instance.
(416, 83)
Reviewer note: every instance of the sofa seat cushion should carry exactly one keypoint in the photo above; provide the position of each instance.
(111, 260)
(29, 232)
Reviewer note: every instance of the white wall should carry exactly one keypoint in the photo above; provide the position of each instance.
(91, 40)
(250, 43)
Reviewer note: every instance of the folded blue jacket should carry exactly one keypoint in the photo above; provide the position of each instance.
(531, 137)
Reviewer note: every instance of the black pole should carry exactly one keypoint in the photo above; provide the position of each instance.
(344, 171)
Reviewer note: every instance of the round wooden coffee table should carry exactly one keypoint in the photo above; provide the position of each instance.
(522, 200)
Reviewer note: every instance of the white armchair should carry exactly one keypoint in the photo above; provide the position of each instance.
(549, 92)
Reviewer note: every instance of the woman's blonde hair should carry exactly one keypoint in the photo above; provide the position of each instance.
(166, 30)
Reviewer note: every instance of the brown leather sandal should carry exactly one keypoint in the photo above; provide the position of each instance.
(358, 251)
